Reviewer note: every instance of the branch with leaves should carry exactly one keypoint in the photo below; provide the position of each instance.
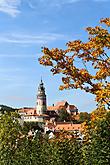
(93, 74)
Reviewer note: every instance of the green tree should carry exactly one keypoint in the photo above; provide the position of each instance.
(4, 109)
(27, 126)
(65, 152)
(16, 148)
(10, 132)
(63, 115)
(96, 149)
(84, 116)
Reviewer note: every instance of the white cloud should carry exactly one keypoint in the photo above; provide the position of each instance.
(10, 7)
(30, 39)
(49, 3)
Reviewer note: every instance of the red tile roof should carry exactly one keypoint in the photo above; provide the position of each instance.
(52, 108)
(58, 106)
(27, 110)
(67, 127)
(61, 103)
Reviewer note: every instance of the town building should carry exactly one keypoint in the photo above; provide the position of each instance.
(62, 105)
(37, 114)
(42, 112)
(48, 114)
(68, 129)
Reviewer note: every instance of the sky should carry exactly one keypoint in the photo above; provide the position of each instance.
(28, 25)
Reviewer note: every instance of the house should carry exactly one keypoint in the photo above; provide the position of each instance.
(74, 130)
(53, 110)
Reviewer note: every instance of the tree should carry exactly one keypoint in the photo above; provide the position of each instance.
(91, 76)
(4, 109)
(65, 152)
(10, 132)
(15, 146)
(93, 73)
(63, 115)
(96, 148)
(84, 116)
(27, 126)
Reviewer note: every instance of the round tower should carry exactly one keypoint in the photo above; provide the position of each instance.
(41, 100)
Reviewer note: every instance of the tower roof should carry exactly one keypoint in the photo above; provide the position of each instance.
(41, 89)
(41, 86)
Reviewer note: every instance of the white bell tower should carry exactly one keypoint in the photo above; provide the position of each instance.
(41, 100)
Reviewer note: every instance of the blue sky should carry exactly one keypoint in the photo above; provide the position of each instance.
(26, 26)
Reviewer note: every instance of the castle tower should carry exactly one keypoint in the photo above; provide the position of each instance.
(41, 100)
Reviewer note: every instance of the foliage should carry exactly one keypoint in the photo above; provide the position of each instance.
(17, 149)
(27, 126)
(63, 115)
(66, 152)
(96, 149)
(4, 109)
(10, 132)
(92, 75)
(84, 116)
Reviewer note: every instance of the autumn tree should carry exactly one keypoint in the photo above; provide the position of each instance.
(93, 74)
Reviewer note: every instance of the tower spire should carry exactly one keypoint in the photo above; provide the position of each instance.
(41, 80)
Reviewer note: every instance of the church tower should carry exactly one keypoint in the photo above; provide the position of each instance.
(41, 100)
